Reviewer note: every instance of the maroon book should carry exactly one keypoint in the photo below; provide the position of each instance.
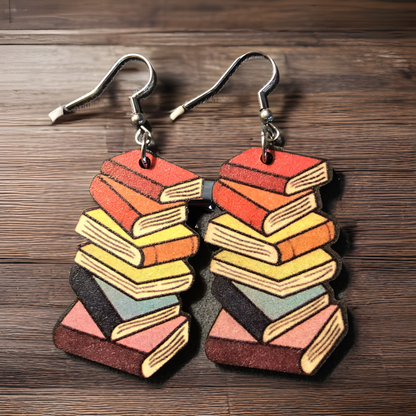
(141, 354)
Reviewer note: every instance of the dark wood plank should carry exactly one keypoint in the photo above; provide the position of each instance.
(217, 15)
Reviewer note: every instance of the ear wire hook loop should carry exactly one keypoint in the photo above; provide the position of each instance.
(262, 94)
(270, 133)
(141, 94)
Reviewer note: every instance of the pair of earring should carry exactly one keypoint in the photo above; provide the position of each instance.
(271, 272)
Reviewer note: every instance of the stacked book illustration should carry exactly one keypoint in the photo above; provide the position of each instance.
(128, 276)
(278, 313)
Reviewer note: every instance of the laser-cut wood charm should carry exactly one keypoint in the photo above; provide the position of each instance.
(128, 276)
(128, 315)
(278, 312)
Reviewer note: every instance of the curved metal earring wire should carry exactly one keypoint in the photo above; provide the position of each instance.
(270, 133)
(143, 135)
(141, 94)
(262, 94)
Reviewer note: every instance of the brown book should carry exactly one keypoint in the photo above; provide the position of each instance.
(163, 181)
(304, 235)
(173, 243)
(267, 212)
(137, 214)
(141, 354)
(301, 350)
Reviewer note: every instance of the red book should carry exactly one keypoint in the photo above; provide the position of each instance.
(136, 213)
(265, 211)
(162, 181)
(141, 354)
(301, 350)
(287, 174)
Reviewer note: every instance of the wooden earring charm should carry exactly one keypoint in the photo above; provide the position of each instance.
(128, 275)
(271, 272)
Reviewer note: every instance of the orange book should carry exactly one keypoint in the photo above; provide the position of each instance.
(308, 233)
(136, 213)
(265, 211)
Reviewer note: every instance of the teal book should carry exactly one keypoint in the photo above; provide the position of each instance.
(266, 316)
(114, 312)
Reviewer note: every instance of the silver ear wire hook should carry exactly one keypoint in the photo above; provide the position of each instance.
(270, 133)
(144, 129)
(141, 94)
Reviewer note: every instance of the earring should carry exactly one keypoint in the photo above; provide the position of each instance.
(127, 277)
(271, 272)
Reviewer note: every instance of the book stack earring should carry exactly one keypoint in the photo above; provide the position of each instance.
(128, 276)
(278, 312)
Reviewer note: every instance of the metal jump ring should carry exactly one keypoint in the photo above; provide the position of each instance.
(143, 138)
(264, 146)
(269, 134)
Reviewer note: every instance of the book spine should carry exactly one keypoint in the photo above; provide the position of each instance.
(254, 355)
(108, 240)
(169, 251)
(115, 206)
(239, 206)
(257, 179)
(99, 350)
(307, 241)
(94, 300)
(239, 307)
(132, 180)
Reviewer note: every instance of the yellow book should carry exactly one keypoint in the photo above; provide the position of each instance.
(170, 244)
(139, 283)
(308, 233)
(282, 280)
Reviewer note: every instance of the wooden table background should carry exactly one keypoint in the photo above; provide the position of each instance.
(347, 93)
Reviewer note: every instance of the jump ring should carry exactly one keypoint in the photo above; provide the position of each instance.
(143, 138)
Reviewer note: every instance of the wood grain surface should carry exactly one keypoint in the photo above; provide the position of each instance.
(347, 93)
